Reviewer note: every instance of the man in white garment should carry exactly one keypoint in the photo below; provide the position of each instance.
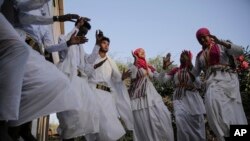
(74, 62)
(34, 93)
(107, 83)
(13, 57)
(38, 36)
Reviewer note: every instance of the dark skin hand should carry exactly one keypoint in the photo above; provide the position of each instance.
(68, 17)
(126, 74)
(166, 61)
(98, 35)
(76, 40)
(217, 41)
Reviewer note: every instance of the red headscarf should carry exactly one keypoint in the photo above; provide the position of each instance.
(202, 32)
(214, 55)
(188, 57)
(141, 62)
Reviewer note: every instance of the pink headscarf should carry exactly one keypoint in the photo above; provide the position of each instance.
(214, 56)
(202, 32)
(141, 62)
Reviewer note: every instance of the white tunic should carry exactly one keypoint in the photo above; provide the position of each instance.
(13, 57)
(45, 89)
(114, 104)
(189, 108)
(86, 119)
(222, 99)
(152, 118)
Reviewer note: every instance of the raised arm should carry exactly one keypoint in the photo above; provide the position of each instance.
(27, 19)
(28, 5)
(234, 50)
(90, 58)
(64, 41)
(231, 48)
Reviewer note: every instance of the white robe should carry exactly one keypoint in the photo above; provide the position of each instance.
(13, 57)
(153, 120)
(114, 104)
(189, 108)
(85, 120)
(222, 99)
(45, 89)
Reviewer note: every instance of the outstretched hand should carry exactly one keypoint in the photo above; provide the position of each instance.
(98, 35)
(166, 61)
(217, 41)
(126, 74)
(76, 40)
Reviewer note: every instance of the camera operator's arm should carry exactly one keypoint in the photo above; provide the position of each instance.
(27, 19)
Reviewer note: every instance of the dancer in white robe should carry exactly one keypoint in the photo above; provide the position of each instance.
(152, 118)
(222, 99)
(188, 105)
(85, 120)
(41, 92)
(112, 96)
(13, 57)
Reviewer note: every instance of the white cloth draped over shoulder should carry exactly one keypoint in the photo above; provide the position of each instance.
(153, 120)
(222, 99)
(85, 120)
(114, 104)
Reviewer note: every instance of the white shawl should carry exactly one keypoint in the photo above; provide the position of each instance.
(121, 97)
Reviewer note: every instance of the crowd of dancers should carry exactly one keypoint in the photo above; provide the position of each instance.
(87, 90)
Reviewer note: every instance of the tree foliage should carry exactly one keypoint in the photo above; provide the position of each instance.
(244, 79)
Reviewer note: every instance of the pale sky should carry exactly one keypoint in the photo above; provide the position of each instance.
(161, 26)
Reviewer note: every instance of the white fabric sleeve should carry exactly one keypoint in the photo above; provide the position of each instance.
(57, 47)
(49, 44)
(235, 50)
(196, 70)
(91, 58)
(28, 5)
(134, 71)
(89, 69)
(61, 39)
(27, 19)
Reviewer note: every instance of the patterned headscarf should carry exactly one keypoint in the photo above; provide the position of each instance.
(214, 53)
(141, 62)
